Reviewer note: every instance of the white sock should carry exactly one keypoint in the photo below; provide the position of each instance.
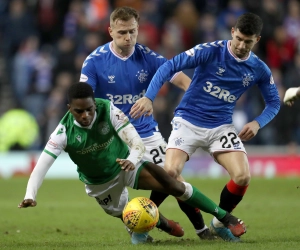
(217, 223)
(198, 231)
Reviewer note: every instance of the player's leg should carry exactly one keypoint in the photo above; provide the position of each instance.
(155, 178)
(130, 179)
(155, 152)
(236, 163)
(112, 197)
(182, 143)
(230, 153)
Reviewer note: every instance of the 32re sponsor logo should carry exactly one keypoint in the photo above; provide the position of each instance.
(125, 99)
(219, 93)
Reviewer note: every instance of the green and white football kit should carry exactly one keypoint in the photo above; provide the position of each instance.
(94, 149)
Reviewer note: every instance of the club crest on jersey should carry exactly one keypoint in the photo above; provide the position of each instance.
(78, 137)
(220, 71)
(103, 128)
(142, 75)
(247, 78)
(111, 79)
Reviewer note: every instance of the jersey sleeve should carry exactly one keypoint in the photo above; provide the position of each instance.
(128, 134)
(118, 119)
(37, 176)
(88, 72)
(271, 97)
(186, 60)
(57, 142)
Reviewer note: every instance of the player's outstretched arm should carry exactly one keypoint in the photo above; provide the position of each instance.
(27, 203)
(45, 161)
(291, 95)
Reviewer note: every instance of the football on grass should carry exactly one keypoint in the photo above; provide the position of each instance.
(140, 215)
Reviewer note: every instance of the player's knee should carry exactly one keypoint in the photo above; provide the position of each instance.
(173, 172)
(242, 179)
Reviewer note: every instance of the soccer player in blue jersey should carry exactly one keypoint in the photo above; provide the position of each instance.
(224, 70)
(121, 71)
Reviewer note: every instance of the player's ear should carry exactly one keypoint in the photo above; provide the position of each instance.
(258, 38)
(110, 31)
(232, 31)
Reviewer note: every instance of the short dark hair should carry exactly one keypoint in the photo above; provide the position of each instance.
(124, 13)
(79, 91)
(249, 24)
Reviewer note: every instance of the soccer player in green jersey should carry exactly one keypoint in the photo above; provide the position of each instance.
(108, 153)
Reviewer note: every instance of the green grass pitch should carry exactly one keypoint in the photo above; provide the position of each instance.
(66, 218)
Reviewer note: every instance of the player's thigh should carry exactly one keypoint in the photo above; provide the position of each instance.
(111, 196)
(156, 151)
(228, 150)
(235, 162)
(153, 177)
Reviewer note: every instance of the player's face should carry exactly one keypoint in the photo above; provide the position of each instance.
(241, 45)
(83, 110)
(124, 35)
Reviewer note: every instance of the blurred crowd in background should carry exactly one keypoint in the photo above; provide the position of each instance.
(43, 44)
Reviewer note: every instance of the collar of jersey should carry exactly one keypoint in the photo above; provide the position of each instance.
(91, 125)
(235, 57)
(117, 55)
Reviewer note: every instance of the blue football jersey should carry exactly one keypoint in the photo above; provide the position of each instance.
(219, 80)
(123, 80)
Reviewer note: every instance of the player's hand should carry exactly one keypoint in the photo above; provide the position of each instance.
(249, 131)
(290, 96)
(126, 165)
(27, 203)
(142, 106)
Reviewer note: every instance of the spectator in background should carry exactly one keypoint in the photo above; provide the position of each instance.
(18, 26)
(226, 19)
(19, 130)
(280, 49)
(292, 20)
(206, 29)
(23, 68)
(271, 12)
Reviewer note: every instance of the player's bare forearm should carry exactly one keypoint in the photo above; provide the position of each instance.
(125, 164)
(249, 131)
(27, 203)
(142, 106)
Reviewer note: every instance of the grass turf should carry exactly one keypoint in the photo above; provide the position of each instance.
(66, 218)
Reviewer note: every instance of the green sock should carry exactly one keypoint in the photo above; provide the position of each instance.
(158, 223)
(205, 204)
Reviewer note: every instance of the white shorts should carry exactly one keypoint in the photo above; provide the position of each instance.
(155, 149)
(188, 137)
(112, 196)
